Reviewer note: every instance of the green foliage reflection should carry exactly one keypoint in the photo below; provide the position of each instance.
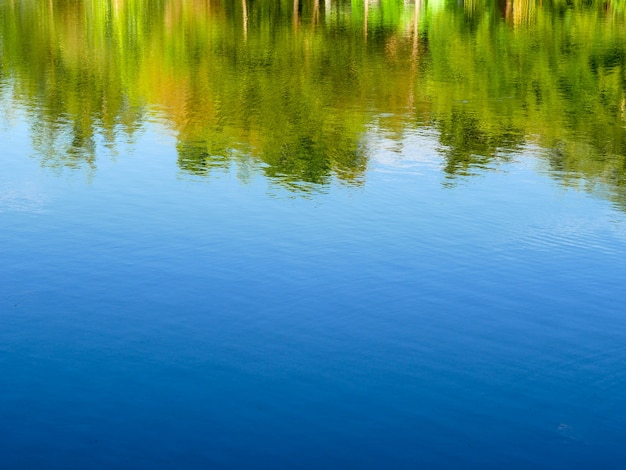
(290, 87)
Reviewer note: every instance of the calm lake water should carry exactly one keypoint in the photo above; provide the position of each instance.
(312, 234)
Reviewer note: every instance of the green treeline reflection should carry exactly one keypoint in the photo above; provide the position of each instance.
(292, 86)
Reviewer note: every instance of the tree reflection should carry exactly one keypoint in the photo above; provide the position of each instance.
(294, 85)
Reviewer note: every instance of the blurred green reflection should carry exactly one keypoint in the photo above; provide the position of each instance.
(291, 87)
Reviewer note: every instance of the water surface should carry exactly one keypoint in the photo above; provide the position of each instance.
(312, 234)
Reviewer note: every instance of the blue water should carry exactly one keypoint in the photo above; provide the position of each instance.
(150, 319)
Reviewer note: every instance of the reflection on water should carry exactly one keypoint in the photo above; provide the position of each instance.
(151, 320)
(292, 88)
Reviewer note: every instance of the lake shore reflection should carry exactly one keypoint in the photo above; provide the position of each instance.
(294, 87)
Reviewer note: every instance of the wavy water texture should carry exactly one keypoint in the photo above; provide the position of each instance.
(292, 89)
